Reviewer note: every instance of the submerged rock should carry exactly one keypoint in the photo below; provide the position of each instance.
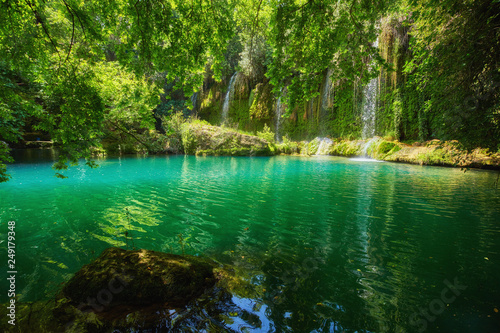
(121, 277)
(138, 291)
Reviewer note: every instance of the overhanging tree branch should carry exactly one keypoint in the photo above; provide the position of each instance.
(40, 20)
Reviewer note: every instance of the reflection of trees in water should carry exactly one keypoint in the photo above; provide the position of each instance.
(122, 225)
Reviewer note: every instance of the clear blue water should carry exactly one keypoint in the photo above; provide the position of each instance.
(330, 244)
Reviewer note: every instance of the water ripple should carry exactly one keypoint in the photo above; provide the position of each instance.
(336, 244)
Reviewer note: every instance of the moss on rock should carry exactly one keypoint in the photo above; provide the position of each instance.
(262, 102)
(140, 290)
(202, 139)
(149, 277)
(345, 148)
(440, 153)
(434, 152)
(383, 148)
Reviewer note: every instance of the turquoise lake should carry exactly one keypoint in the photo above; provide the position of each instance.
(330, 244)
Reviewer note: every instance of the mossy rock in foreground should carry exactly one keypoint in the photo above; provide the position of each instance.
(138, 291)
(141, 277)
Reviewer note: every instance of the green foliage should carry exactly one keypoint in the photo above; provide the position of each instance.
(232, 56)
(437, 156)
(4, 158)
(177, 130)
(307, 36)
(170, 107)
(200, 138)
(346, 120)
(252, 19)
(129, 99)
(73, 116)
(17, 103)
(384, 148)
(455, 70)
(311, 148)
(189, 142)
(255, 57)
(345, 148)
(288, 146)
(172, 125)
(262, 102)
(267, 134)
(62, 45)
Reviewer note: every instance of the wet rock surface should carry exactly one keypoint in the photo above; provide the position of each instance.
(120, 277)
(202, 139)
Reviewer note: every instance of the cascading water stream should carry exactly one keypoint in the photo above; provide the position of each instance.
(370, 106)
(324, 146)
(366, 146)
(365, 157)
(228, 98)
(194, 100)
(279, 119)
(327, 91)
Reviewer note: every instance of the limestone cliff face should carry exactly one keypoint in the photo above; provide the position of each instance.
(337, 106)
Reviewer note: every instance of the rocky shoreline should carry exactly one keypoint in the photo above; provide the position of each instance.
(434, 152)
(202, 139)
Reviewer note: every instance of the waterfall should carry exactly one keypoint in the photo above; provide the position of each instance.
(324, 146)
(279, 118)
(366, 146)
(364, 157)
(194, 99)
(369, 106)
(228, 98)
(327, 90)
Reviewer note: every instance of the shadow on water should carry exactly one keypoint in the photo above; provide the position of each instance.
(34, 155)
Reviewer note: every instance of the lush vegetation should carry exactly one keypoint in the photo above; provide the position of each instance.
(95, 74)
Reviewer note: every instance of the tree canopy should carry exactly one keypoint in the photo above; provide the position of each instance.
(54, 56)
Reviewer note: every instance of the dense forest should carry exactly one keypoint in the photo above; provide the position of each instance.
(118, 76)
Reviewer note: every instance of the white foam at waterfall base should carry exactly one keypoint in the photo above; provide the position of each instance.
(366, 146)
(365, 157)
(324, 146)
(228, 98)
